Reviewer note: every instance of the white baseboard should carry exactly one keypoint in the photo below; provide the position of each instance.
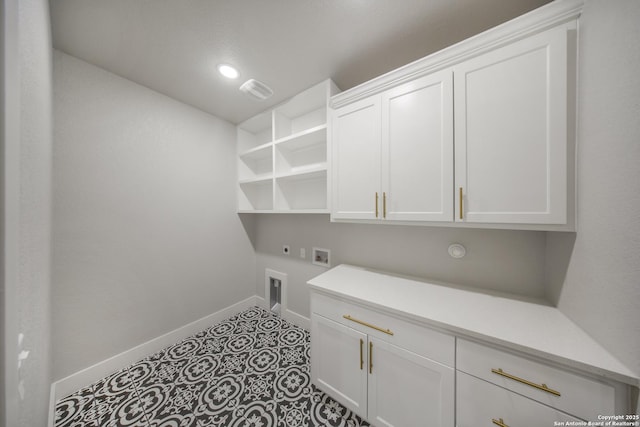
(291, 316)
(297, 319)
(85, 377)
(52, 406)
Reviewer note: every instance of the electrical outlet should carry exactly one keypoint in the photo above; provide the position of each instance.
(285, 249)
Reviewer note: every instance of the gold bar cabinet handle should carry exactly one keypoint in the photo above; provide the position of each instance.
(542, 387)
(384, 205)
(461, 209)
(376, 204)
(499, 422)
(368, 325)
(370, 357)
(361, 358)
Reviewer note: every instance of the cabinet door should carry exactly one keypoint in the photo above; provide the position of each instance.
(511, 133)
(338, 359)
(355, 154)
(417, 141)
(406, 389)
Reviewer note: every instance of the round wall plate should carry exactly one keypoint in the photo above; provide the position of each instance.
(456, 250)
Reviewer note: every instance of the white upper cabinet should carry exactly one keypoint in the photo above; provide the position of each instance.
(481, 134)
(417, 141)
(511, 133)
(356, 149)
(393, 154)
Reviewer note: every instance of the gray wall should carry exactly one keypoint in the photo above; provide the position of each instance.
(34, 275)
(146, 238)
(498, 260)
(601, 291)
(27, 143)
(6, 350)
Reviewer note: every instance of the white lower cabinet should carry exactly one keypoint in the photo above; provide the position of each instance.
(395, 373)
(371, 364)
(517, 391)
(406, 389)
(406, 353)
(338, 362)
(482, 404)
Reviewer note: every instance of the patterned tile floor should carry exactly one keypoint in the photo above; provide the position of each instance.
(251, 370)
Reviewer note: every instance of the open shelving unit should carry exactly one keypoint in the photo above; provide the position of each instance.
(282, 155)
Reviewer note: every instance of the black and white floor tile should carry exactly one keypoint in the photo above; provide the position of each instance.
(251, 370)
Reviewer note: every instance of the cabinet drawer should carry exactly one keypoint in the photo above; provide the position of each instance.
(479, 403)
(580, 396)
(421, 340)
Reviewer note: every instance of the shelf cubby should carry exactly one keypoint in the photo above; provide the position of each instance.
(282, 155)
(302, 192)
(304, 111)
(255, 132)
(256, 163)
(306, 151)
(255, 196)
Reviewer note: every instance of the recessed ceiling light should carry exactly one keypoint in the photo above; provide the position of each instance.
(228, 71)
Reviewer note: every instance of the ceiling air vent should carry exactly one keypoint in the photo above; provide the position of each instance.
(256, 89)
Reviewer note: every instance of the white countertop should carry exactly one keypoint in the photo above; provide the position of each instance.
(536, 329)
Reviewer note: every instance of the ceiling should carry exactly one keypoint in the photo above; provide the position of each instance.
(174, 46)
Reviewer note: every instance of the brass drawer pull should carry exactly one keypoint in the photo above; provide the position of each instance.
(384, 204)
(461, 208)
(361, 358)
(370, 357)
(368, 325)
(499, 422)
(542, 387)
(376, 204)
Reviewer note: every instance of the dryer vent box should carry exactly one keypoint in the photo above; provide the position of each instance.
(256, 89)
(275, 291)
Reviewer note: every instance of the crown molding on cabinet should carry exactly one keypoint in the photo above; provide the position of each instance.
(553, 14)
